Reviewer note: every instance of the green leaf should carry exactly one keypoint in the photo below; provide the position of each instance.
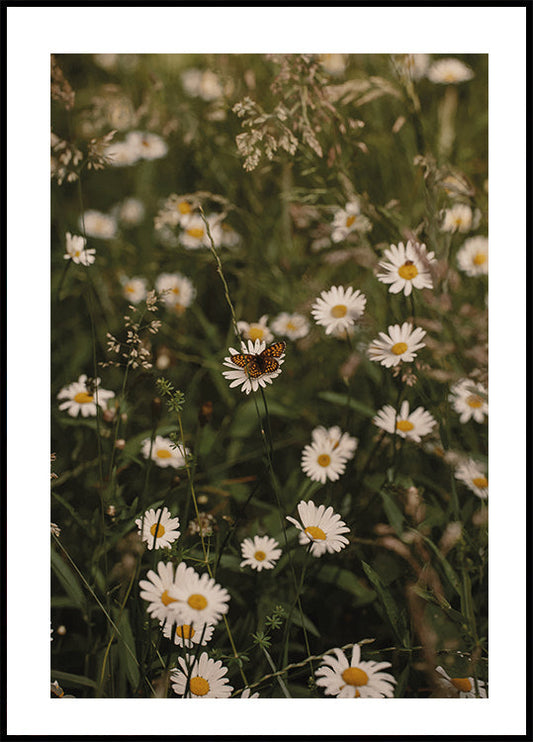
(396, 618)
(68, 580)
(344, 401)
(346, 580)
(126, 648)
(401, 685)
(307, 624)
(442, 603)
(393, 512)
(446, 566)
(70, 679)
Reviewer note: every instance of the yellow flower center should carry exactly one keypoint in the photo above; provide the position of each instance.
(480, 482)
(184, 207)
(315, 532)
(474, 401)
(196, 232)
(338, 311)
(157, 530)
(83, 398)
(350, 220)
(458, 221)
(324, 460)
(130, 289)
(404, 425)
(176, 290)
(185, 631)
(260, 556)
(290, 326)
(449, 77)
(399, 348)
(163, 453)
(197, 602)
(479, 258)
(77, 253)
(199, 686)
(256, 333)
(166, 599)
(463, 684)
(355, 676)
(408, 270)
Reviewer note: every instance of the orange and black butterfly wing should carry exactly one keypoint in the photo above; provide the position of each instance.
(267, 359)
(249, 362)
(242, 359)
(275, 350)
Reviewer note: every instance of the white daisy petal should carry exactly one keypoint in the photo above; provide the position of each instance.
(355, 680)
(400, 345)
(338, 309)
(320, 528)
(412, 426)
(82, 396)
(203, 678)
(469, 400)
(261, 552)
(164, 453)
(158, 529)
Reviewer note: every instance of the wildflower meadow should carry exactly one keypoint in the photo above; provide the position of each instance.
(269, 473)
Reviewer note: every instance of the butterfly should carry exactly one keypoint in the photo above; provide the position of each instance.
(261, 363)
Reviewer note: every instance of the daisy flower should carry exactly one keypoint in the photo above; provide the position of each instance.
(412, 426)
(134, 289)
(206, 678)
(473, 257)
(322, 461)
(460, 218)
(406, 268)
(83, 397)
(474, 476)
(202, 599)
(194, 234)
(469, 400)
(97, 224)
(415, 65)
(449, 71)
(349, 220)
(177, 210)
(320, 527)
(229, 237)
(164, 452)
(338, 309)
(177, 291)
(260, 553)
(357, 679)
(186, 635)
(131, 212)
(249, 373)
(122, 154)
(256, 330)
(466, 687)
(400, 344)
(335, 64)
(158, 528)
(159, 590)
(76, 250)
(201, 84)
(343, 443)
(293, 326)
(246, 694)
(146, 145)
